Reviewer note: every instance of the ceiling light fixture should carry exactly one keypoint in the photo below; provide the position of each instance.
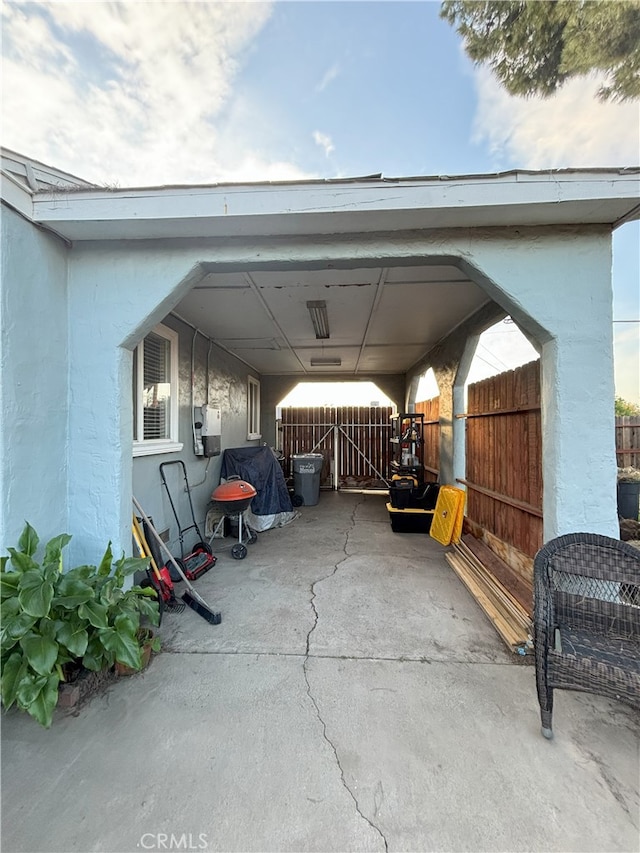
(319, 318)
(326, 362)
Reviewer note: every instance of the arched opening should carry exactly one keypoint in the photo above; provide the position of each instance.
(501, 347)
(427, 386)
(336, 394)
(346, 422)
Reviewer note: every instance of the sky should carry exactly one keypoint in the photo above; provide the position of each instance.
(151, 93)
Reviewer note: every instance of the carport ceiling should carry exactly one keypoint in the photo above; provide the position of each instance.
(381, 320)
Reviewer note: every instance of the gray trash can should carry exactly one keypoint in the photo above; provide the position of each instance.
(306, 476)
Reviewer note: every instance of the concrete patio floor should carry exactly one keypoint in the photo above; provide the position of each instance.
(353, 698)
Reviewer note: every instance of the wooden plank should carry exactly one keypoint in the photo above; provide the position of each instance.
(511, 608)
(497, 412)
(516, 585)
(512, 638)
(496, 496)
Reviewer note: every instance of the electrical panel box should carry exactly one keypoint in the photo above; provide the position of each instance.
(211, 430)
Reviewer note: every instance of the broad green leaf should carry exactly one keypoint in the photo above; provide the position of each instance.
(14, 628)
(94, 613)
(144, 591)
(28, 688)
(74, 637)
(3, 563)
(28, 542)
(9, 607)
(53, 549)
(96, 656)
(108, 593)
(41, 652)
(9, 584)
(127, 623)
(130, 565)
(150, 609)
(12, 672)
(83, 573)
(48, 627)
(20, 561)
(71, 592)
(105, 564)
(35, 594)
(124, 646)
(43, 705)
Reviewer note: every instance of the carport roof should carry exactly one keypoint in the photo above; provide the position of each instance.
(332, 206)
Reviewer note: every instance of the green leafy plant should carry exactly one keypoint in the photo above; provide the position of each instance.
(51, 619)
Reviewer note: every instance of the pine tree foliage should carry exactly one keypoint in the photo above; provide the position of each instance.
(534, 47)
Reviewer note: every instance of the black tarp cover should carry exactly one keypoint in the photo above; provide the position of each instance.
(259, 466)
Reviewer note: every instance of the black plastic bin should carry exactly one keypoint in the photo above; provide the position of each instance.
(629, 500)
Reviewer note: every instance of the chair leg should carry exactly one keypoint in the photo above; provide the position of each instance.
(545, 698)
(546, 729)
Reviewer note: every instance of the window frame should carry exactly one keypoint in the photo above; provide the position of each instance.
(253, 408)
(172, 444)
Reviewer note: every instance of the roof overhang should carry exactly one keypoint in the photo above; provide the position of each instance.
(517, 198)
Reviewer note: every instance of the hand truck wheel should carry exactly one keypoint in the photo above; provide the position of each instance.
(239, 552)
(297, 500)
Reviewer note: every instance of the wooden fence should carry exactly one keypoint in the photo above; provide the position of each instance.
(431, 411)
(628, 441)
(354, 441)
(504, 457)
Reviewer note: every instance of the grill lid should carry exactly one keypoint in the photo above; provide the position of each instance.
(233, 490)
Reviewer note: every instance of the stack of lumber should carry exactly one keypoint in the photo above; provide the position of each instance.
(505, 597)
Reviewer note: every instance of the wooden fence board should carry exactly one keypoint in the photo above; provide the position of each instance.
(504, 456)
(431, 411)
(628, 441)
(359, 434)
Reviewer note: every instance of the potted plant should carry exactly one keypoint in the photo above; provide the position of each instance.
(54, 620)
(148, 642)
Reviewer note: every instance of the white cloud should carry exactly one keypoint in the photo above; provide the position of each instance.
(328, 77)
(131, 93)
(570, 129)
(324, 141)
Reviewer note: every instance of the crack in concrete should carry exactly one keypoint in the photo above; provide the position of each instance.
(340, 768)
(308, 683)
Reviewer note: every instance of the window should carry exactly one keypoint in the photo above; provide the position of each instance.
(155, 393)
(253, 408)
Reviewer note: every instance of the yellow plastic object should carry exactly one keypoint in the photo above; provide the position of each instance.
(446, 526)
(405, 477)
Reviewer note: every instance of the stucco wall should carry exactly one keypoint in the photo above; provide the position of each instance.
(227, 389)
(556, 282)
(34, 368)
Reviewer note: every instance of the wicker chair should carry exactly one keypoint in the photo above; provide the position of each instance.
(586, 619)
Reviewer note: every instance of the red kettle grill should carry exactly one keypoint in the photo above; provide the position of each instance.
(233, 498)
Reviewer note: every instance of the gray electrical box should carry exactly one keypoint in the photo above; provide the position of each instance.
(211, 430)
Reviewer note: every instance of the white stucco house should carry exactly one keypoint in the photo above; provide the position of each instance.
(213, 284)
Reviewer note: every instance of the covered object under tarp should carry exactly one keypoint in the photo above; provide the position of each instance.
(259, 466)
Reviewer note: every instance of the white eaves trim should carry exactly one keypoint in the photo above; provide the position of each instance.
(602, 196)
(17, 195)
